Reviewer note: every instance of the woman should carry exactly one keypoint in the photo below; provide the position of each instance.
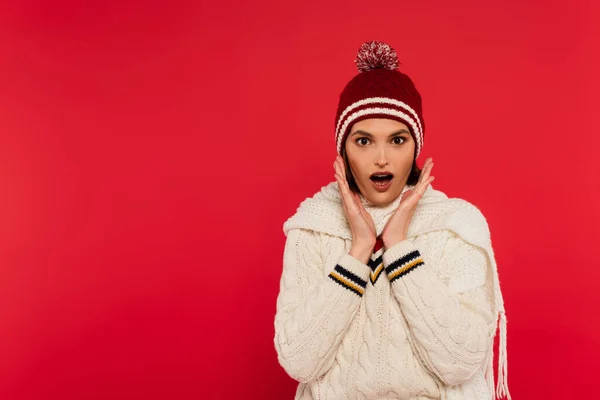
(389, 288)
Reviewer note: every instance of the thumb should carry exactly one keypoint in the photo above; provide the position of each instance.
(356, 200)
(359, 204)
(406, 194)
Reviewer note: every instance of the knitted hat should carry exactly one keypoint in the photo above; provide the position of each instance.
(379, 91)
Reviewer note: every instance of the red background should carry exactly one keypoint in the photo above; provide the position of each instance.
(151, 151)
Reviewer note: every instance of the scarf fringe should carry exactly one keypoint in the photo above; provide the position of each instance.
(502, 388)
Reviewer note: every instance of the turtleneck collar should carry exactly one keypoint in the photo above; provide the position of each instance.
(372, 207)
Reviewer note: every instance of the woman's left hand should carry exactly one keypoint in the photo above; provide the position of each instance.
(396, 228)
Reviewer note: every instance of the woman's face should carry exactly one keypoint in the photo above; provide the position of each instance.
(378, 145)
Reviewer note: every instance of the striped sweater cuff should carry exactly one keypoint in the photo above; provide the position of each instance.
(400, 259)
(351, 274)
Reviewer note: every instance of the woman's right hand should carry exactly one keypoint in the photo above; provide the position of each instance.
(361, 224)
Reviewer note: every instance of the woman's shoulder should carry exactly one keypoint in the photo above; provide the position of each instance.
(456, 214)
(454, 206)
(321, 213)
(467, 209)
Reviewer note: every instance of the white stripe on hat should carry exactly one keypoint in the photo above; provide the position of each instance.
(384, 100)
(386, 111)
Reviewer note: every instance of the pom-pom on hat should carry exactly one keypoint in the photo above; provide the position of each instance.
(379, 90)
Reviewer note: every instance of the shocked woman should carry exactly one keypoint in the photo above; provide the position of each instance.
(389, 288)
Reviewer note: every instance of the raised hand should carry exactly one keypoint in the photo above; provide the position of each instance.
(396, 228)
(361, 224)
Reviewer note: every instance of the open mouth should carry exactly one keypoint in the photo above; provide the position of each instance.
(382, 180)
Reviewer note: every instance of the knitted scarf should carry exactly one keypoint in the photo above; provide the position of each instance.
(324, 213)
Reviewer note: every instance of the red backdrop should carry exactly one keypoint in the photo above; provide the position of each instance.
(151, 153)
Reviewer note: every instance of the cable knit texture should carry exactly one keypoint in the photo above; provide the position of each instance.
(417, 322)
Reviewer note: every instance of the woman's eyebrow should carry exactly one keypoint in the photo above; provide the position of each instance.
(370, 135)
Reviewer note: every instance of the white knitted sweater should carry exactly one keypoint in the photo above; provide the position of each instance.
(417, 322)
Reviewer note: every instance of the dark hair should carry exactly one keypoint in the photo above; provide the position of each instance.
(413, 177)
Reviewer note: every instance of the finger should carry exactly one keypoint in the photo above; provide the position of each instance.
(345, 192)
(342, 173)
(338, 170)
(354, 198)
(429, 166)
(342, 166)
(424, 174)
(355, 201)
(421, 176)
(352, 202)
(339, 163)
(423, 188)
(426, 164)
(341, 184)
(342, 196)
(361, 208)
(358, 202)
(426, 170)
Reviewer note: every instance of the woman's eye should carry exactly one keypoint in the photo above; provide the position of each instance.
(364, 141)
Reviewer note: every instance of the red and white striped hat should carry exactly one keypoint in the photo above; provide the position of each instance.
(379, 90)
